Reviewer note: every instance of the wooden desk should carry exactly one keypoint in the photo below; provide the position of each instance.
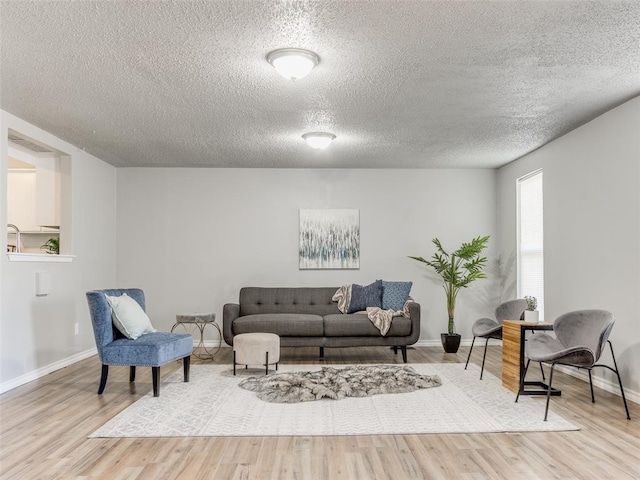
(513, 341)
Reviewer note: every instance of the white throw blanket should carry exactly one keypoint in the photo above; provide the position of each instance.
(382, 318)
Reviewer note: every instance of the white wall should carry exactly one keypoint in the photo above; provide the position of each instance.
(37, 334)
(591, 226)
(191, 238)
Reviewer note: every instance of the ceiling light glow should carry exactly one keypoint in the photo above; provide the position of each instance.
(293, 63)
(319, 140)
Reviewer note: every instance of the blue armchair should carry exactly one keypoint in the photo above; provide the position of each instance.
(149, 350)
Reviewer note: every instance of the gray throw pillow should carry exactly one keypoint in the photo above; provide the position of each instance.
(367, 296)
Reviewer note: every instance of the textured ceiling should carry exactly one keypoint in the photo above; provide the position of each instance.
(403, 84)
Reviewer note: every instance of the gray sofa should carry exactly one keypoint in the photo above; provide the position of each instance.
(307, 317)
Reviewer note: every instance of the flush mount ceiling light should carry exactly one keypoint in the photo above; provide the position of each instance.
(319, 140)
(293, 63)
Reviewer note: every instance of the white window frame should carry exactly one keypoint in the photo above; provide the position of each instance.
(534, 284)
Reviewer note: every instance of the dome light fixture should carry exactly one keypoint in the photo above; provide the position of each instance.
(319, 140)
(293, 63)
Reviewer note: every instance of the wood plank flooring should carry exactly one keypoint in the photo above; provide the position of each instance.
(44, 427)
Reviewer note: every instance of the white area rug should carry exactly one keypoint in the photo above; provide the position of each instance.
(212, 404)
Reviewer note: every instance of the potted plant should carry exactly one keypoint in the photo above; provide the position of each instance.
(531, 313)
(52, 246)
(457, 270)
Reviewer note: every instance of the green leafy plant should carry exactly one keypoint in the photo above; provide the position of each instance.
(457, 270)
(52, 246)
(532, 303)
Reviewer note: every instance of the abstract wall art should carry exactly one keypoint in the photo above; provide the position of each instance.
(329, 239)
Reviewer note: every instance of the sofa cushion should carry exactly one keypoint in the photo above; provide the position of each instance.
(359, 325)
(149, 350)
(305, 300)
(283, 324)
(367, 296)
(395, 295)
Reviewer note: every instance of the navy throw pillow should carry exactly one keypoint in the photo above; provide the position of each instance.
(367, 296)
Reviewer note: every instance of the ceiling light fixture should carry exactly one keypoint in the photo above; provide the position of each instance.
(319, 140)
(293, 63)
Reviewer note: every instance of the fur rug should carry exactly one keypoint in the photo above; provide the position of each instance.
(333, 383)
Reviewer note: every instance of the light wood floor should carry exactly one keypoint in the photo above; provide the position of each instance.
(45, 424)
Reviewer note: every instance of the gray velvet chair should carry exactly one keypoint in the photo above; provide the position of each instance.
(580, 339)
(149, 350)
(489, 328)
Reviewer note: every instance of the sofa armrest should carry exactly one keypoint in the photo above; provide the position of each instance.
(230, 312)
(414, 315)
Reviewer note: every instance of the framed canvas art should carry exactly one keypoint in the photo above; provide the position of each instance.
(329, 239)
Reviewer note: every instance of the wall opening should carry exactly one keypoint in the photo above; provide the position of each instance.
(38, 197)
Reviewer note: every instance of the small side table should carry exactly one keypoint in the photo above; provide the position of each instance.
(200, 320)
(513, 355)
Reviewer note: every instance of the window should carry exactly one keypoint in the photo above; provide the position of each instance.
(530, 238)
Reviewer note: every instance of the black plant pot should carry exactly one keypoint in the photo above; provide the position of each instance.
(451, 343)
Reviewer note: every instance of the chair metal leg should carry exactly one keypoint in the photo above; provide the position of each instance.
(626, 408)
(546, 410)
(484, 356)
(403, 348)
(132, 373)
(524, 374)
(617, 372)
(234, 363)
(186, 367)
(266, 365)
(470, 350)
(593, 398)
(103, 379)
(542, 372)
(155, 375)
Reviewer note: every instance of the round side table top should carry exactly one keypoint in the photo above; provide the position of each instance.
(196, 318)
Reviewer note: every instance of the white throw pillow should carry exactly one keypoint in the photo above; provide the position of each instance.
(129, 317)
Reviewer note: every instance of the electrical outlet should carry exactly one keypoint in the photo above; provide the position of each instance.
(77, 328)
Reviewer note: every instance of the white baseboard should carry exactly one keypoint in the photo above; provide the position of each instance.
(463, 343)
(46, 370)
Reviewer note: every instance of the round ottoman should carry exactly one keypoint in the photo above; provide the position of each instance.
(256, 348)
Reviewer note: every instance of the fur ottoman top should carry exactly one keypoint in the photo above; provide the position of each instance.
(334, 383)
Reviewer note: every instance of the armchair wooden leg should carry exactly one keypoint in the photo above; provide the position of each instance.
(321, 352)
(155, 374)
(186, 367)
(470, 350)
(404, 353)
(103, 379)
(132, 373)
